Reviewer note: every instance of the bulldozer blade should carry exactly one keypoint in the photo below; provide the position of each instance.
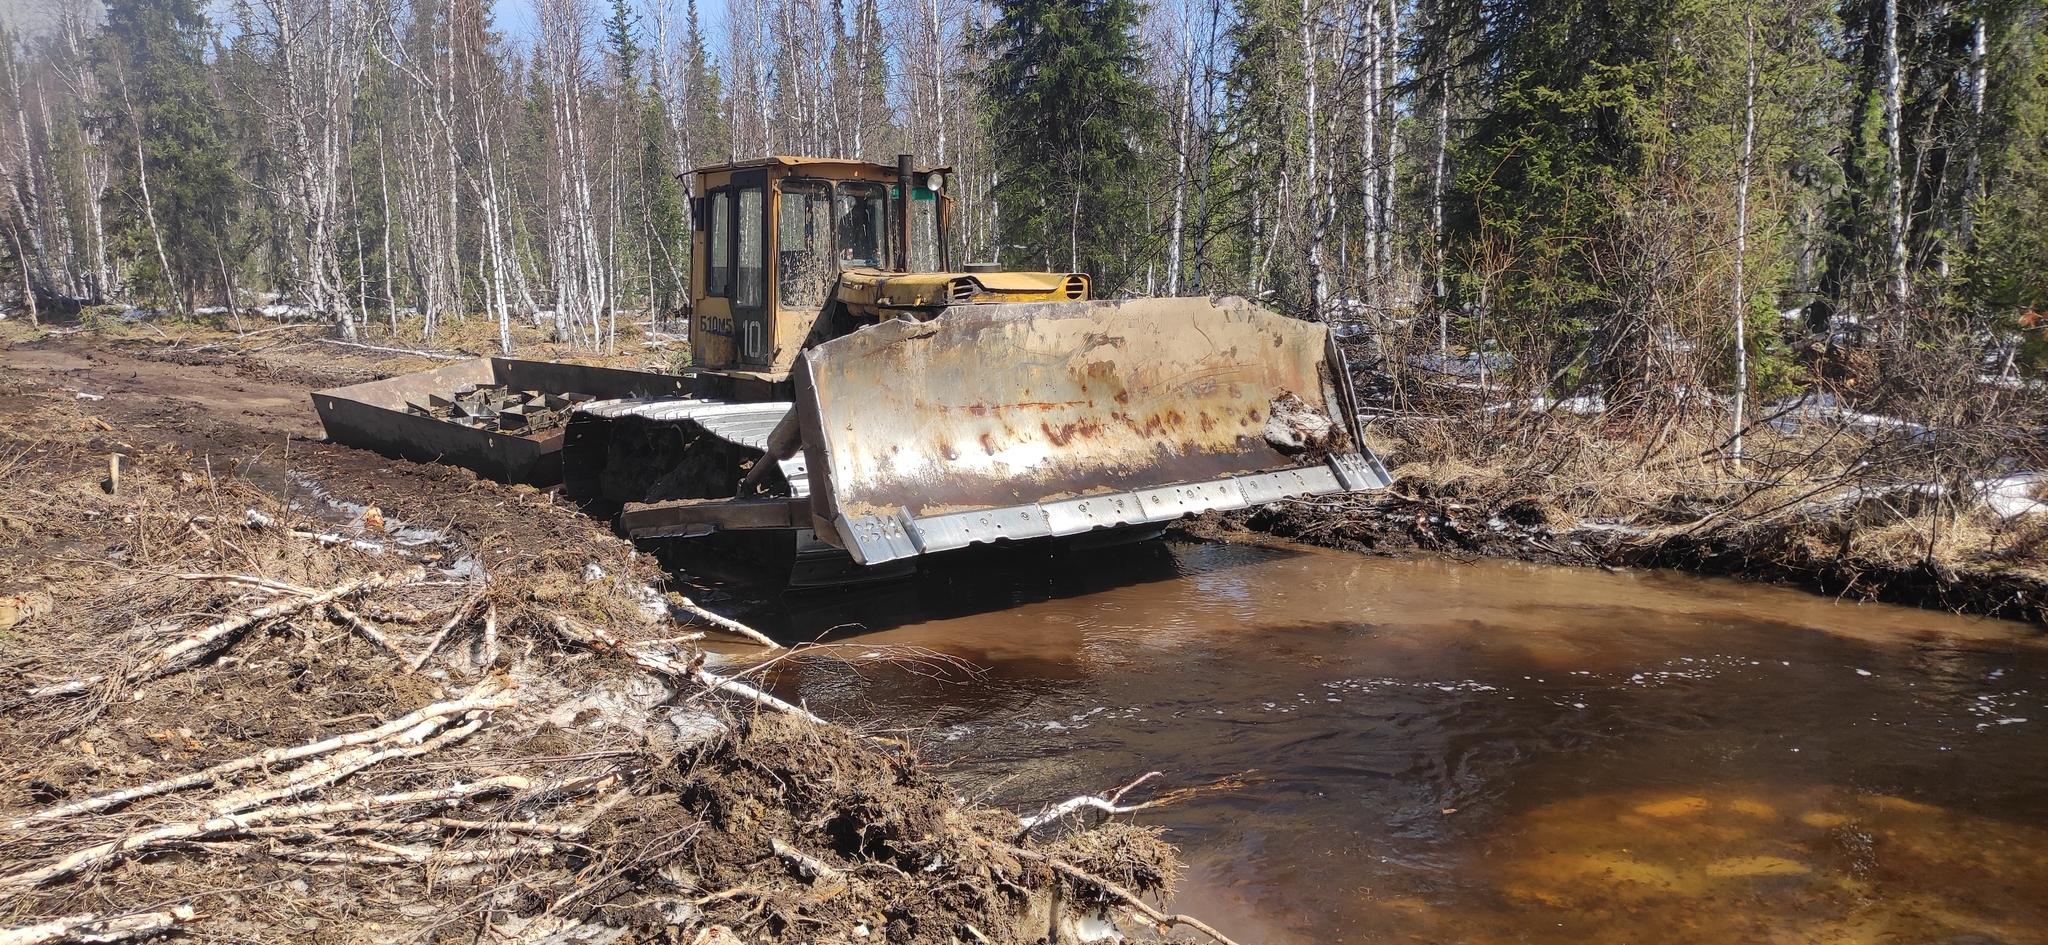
(1018, 421)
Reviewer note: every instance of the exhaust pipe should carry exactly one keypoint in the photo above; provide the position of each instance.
(906, 177)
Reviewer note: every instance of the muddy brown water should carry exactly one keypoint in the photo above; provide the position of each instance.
(1485, 752)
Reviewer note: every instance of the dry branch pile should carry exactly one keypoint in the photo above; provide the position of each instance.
(250, 717)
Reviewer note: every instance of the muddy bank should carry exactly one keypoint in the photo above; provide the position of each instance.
(1814, 554)
(264, 688)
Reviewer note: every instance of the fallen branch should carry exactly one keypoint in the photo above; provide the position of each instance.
(261, 583)
(483, 826)
(575, 933)
(454, 619)
(260, 520)
(411, 828)
(604, 642)
(70, 688)
(803, 864)
(89, 927)
(724, 623)
(195, 646)
(489, 694)
(1163, 918)
(103, 853)
(390, 855)
(1129, 897)
(1106, 804)
(366, 629)
(490, 653)
(326, 773)
(431, 355)
(738, 688)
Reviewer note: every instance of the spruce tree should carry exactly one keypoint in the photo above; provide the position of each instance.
(1071, 119)
(1263, 89)
(175, 200)
(1572, 89)
(708, 134)
(2006, 273)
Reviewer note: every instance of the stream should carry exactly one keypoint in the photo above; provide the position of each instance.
(1418, 749)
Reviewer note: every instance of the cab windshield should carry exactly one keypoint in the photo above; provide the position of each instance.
(828, 227)
(864, 229)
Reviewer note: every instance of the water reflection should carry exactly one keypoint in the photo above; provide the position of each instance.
(1492, 752)
(949, 587)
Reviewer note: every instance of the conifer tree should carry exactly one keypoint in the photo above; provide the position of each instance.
(2006, 273)
(176, 192)
(1571, 91)
(1072, 121)
(710, 134)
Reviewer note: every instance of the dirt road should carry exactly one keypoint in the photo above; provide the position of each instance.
(148, 386)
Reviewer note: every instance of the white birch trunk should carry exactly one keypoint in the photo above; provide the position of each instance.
(1368, 143)
(1436, 219)
(1895, 164)
(1972, 184)
(1388, 55)
(156, 234)
(1318, 280)
(1740, 300)
(1180, 170)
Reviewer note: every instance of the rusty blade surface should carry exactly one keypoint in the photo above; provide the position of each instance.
(999, 406)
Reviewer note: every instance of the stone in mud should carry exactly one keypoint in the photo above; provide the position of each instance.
(1293, 427)
(1675, 807)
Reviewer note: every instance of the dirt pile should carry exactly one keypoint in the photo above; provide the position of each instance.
(339, 698)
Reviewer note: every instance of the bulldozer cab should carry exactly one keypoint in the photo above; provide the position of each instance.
(771, 237)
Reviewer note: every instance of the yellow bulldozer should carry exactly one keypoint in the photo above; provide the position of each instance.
(860, 400)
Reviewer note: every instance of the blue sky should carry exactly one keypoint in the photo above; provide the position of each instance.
(514, 17)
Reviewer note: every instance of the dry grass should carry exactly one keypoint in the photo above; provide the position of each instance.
(1838, 503)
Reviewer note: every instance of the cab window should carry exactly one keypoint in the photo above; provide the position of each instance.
(805, 267)
(924, 231)
(750, 276)
(717, 239)
(864, 237)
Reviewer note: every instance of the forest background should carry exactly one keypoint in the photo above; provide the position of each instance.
(1652, 200)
